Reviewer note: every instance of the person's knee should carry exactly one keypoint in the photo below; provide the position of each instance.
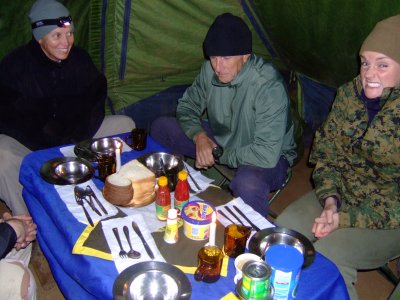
(240, 186)
(126, 123)
(16, 281)
(252, 190)
(249, 183)
(160, 126)
(11, 150)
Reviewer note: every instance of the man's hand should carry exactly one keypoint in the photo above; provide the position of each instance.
(328, 221)
(204, 146)
(24, 228)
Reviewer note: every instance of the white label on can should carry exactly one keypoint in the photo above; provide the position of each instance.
(281, 282)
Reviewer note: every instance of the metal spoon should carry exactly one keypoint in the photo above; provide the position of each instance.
(82, 193)
(132, 253)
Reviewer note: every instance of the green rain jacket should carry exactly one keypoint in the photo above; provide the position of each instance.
(360, 164)
(249, 117)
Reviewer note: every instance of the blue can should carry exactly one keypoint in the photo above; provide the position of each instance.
(286, 262)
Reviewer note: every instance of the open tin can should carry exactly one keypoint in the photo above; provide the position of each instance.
(255, 283)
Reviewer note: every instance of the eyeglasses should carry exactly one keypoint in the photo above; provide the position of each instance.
(60, 22)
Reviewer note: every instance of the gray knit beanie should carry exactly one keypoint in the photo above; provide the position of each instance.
(47, 10)
(385, 38)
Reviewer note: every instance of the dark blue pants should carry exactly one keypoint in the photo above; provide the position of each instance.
(250, 183)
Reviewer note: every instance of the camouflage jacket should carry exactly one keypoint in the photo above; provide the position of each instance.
(360, 164)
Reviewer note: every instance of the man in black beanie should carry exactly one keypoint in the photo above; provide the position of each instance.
(239, 103)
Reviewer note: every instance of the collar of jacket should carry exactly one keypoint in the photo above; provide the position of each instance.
(239, 77)
(387, 94)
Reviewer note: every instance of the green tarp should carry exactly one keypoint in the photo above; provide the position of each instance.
(163, 38)
(321, 38)
(153, 45)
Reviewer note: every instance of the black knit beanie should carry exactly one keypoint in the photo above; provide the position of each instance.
(228, 36)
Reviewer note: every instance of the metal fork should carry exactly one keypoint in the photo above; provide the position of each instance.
(122, 253)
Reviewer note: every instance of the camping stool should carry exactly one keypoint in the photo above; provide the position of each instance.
(229, 173)
(388, 274)
(395, 294)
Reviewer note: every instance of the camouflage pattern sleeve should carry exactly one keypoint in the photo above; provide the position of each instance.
(324, 154)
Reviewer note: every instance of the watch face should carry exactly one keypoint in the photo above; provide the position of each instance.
(217, 152)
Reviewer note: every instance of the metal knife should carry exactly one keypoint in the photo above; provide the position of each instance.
(225, 216)
(92, 194)
(194, 181)
(233, 214)
(91, 204)
(139, 233)
(246, 218)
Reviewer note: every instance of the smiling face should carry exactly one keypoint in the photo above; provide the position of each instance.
(378, 72)
(57, 43)
(228, 67)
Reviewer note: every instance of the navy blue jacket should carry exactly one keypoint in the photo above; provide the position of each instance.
(8, 237)
(44, 103)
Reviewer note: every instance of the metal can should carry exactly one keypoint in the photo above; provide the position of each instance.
(256, 280)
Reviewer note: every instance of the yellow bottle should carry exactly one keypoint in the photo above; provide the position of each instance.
(171, 230)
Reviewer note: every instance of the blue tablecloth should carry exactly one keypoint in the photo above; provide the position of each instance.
(86, 277)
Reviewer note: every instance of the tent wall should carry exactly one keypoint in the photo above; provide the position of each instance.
(150, 46)
(151, 50)
(321, 38)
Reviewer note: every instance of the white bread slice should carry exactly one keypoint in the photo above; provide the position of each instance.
(135, 171)
(142, 201)
(118, 180)
(143, 182)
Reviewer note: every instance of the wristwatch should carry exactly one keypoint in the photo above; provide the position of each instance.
(217, 152)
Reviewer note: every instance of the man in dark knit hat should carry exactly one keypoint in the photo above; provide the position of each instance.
(238, 103)
(51, 94)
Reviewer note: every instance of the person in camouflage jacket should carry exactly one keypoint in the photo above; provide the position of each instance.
(359, 163)
(353, 215)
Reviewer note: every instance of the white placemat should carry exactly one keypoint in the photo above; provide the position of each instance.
(122, 263)
(247, 210)
(203, 181)
(66, 193)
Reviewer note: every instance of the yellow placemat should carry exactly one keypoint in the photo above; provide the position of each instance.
(229, 296)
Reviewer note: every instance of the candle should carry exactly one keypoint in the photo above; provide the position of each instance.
(213, 226)
(118, 156)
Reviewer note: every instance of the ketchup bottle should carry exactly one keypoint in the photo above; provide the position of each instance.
(163, 199)
(181, 195)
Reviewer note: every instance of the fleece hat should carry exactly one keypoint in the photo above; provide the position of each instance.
(385, 38)
(228, 36)
(47, 15)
